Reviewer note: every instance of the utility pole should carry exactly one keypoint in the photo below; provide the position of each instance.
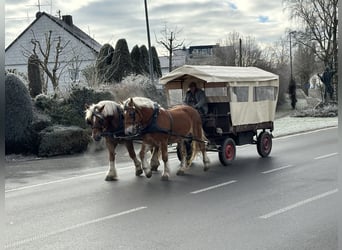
(240, 52)
(149, 44)
(290, 34)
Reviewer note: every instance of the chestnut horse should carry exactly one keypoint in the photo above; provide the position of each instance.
(159, 127)
(106, 119)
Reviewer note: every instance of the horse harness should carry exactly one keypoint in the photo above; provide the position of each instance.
(117, 133)
(152, 125)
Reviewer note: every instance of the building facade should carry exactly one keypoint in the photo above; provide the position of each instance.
(79, 50)
(197, 55)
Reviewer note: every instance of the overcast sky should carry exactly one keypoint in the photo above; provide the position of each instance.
(202, 21)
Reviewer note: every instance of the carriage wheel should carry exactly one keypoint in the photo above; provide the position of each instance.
(227, 152)
(264, 144)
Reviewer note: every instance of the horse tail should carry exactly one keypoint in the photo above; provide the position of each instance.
(194, 151)
(204, 138)
(195, 144)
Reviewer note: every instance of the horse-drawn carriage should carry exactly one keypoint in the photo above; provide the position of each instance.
(241, 105)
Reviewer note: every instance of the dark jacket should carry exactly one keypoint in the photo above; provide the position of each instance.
(197, 100)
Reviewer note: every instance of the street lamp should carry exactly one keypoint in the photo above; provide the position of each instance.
(149, 43)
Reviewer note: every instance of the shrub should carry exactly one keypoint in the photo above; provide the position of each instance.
(19, 115)
(59, 140)
(70, 111)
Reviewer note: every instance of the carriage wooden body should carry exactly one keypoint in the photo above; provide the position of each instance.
(241, 102)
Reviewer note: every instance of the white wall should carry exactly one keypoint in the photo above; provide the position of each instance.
(14, 58)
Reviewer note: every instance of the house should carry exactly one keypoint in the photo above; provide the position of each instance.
(79, 51)
(198, 55)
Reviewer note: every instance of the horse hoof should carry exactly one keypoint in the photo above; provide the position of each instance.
(206, 169)
(149, 175)
(110, 178)
(165, 178)
(180, 172)
(138, 172)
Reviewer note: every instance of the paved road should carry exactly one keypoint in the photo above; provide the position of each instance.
(286, 201)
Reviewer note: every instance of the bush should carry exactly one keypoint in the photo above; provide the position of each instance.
(60, 140)
(70, 111)
(19, 115)
(138, 86)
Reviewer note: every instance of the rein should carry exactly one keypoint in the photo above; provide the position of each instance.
(114, 134)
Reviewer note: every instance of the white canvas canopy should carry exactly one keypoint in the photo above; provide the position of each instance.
(252, 93)
(216, 74)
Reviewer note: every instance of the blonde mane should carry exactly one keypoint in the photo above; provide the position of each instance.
(110, 108)
(142, 102)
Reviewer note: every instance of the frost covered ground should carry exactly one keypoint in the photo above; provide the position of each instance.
(290, 125)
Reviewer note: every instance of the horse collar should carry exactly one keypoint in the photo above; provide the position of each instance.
(155, 111)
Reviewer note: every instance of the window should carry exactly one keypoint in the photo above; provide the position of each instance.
(265, 93)
(239, 94)
(219, 91)
(175, 96)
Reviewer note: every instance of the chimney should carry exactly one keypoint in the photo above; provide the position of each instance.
(67, 19)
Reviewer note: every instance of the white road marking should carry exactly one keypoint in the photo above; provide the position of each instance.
(277, 169)
(326, 156)
(76, 226)
(60, 180)
(298, 204)
(213, 187)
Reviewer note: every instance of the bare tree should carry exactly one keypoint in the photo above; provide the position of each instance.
(304, 66)
(319, 26)
(224, 55)
(43, 53)
(319, 22)
(249, 54)
(170, 42)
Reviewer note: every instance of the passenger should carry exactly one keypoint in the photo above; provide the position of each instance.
(196, 98)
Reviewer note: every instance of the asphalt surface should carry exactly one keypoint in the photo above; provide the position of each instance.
(285, 201)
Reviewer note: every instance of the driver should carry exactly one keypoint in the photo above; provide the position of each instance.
(196, 98)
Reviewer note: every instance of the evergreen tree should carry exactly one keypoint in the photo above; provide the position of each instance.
(136, 60)
(103, 63)
(156, 62)
(144, 59)
(34, 76)
(121, 64)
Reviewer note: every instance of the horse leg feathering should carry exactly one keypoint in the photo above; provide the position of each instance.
(202, 147)
(145, 166)
(166, 172)
(111, 173)
(183, 164)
